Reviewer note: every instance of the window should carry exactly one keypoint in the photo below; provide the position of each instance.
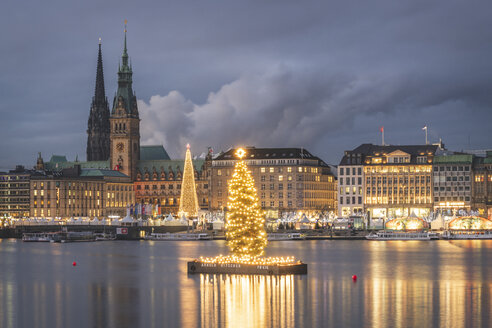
(272, 204)
(359, 171)
(146, 187)
(289, 169)
(272, 170)
(219, 172)
(353, 171)
(263, 178)
(262, 170)
(272, 186)
(341, 171)
(299, 169)
(281, 204)
(262, 204)
(341, 200)
(280, 178)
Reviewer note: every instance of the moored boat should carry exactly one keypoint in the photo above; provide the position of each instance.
(37, 236)
(285, 236)
(178, 236)
(401, 235)
(467, 234)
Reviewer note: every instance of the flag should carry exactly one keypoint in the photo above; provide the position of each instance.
(381, 129)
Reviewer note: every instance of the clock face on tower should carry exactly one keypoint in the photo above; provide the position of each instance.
(120, 146)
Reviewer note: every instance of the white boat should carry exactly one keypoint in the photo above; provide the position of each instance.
(178, 236)
(401, 235)
(37, 236)
(104, 236)
(285, 236)
(467, 234)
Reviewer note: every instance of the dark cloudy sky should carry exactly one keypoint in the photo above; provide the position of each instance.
(319, 74)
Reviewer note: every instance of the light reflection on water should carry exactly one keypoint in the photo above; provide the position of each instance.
(131, 284)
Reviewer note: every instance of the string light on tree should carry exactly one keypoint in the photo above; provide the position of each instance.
(245, 227)
(188, 204)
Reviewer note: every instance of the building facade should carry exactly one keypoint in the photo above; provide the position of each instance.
(452, 178)
(396, 180)
(351, 184)
(14, 192)
(159, 182)
(482, 185)
(76, 192)
(286, 179)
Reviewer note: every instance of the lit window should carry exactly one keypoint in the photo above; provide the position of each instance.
(262, 170)
(299, 169)
(289, 169)
(219, 172)
(272, 170)
(280, 178)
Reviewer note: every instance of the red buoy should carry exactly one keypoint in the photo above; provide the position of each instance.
(74, 263)
(354, 277)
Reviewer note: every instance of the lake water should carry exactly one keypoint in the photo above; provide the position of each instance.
(145, 284)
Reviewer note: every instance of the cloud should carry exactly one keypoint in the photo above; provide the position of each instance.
(290, 107)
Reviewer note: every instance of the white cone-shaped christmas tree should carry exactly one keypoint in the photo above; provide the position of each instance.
(188, 204)
(245, 228)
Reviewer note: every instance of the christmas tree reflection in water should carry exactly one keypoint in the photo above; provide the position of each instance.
(245, 233)
(247, 301)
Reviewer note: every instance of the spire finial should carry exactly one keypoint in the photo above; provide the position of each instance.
(124, 50)
(99, 40)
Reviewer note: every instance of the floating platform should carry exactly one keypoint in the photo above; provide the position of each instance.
(241, 268)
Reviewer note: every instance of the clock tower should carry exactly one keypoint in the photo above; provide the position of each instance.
(125, 122)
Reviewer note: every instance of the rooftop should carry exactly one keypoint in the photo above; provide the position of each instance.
(150, 153)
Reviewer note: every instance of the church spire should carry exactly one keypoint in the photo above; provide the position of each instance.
(98, 129)
(100, 93)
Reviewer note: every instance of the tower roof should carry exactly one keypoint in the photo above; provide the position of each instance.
(99, 92)
(125, 101)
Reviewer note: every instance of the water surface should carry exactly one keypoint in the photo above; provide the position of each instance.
(145, 284)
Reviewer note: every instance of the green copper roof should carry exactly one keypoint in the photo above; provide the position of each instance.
(150, 153)
(165, 164)
(58, 158)
(101, 173)
(58, 165)
(450, 159)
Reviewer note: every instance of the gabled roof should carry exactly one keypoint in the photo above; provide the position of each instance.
(271, 153)
(58, 158)
(371, 150)
(150, 153)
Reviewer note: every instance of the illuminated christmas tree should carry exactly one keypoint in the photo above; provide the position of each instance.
(245, 227)
(188, 204)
